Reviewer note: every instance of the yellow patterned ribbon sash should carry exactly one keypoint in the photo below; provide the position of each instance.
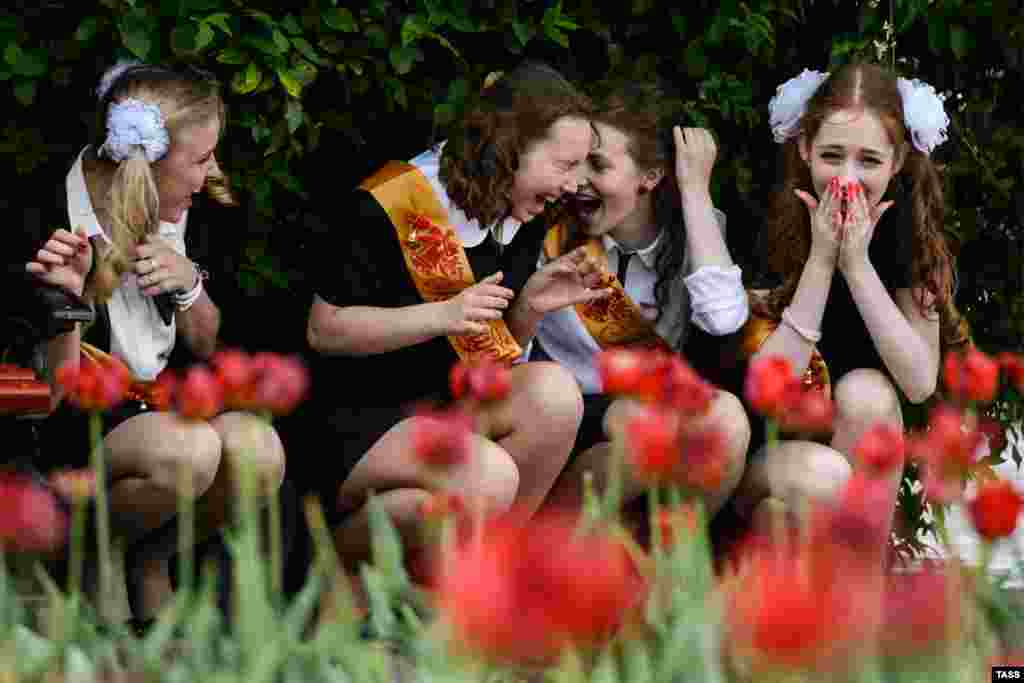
(614, 320)
(434, 255)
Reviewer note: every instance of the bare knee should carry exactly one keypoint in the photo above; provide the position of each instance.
(248, 438)
(727, 416)
(551, 397)
(794, 472)
(192, 449)
(492, 480)
(865, 396)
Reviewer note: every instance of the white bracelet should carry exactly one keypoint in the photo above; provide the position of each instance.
(810, 336)
(185, 300)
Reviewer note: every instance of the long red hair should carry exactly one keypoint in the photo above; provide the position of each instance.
(788, 244)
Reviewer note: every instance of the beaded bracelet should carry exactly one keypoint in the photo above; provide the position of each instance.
(810, 336)
(185, 300)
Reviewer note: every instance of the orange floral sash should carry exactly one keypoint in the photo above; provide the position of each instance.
(615, 320)
(433, 253)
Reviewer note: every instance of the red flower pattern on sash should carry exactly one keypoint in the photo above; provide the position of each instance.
(434, 252)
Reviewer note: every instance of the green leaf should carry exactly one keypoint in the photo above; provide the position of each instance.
(340, 19)
(355, 66)
(679, 24)
(457, 90)
(87, 30)
(183, 38)
(291, 25)
(414, 27)
(232, 55)
(294, 115)
(937, 33)
(204, 36)
(138, 43)
(25, 92)
(12, 53)
(377, 36)
(31, 63)
(402, 58)
(557, 36)
(959, 41)
(444, 114)
(396, 91)
(444, 42)
(291, 84)
(281, 41)
(305, 49)
(221, 21)
(246, 81)
(523, 32)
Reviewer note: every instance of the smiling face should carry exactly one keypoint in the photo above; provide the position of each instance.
(182, 172)
(617, 191)
(853, 145)
(550, 167)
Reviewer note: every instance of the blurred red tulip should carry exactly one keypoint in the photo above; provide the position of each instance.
(652, 442)
(625, 371)
(683, 389)
(880, 449)
(919, 608)
(948, 451)
(162, 391)
(280, 383)
(995, 508)
(199, 396)
(30, 520)
(441, 437)
(972, 376)
(767, 383)
(1013, 365)
(95, 385)
(480, 380)
(701, 464)
(235, 372)
(507, 596)
(442, 505)
(805, 410)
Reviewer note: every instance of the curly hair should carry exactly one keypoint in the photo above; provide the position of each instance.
(479, 162)
(186, 97)
(788, 230)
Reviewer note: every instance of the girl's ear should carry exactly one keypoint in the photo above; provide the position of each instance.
(651, 178)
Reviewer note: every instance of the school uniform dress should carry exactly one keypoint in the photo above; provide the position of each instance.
(388, 249)
(128, 326)
(712, 298)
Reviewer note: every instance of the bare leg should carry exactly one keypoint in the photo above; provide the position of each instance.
(536, 425)
(488, 481)
(725, 414)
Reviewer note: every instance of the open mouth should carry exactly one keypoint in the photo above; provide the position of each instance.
(585, 205)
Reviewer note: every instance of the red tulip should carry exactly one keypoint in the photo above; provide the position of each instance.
(652, 440)
(701, 461)
(442, 438)
(881, 449)
(806, 410)
(200, 396)
(995, 509)
(767, 384)
(948, 450)
(1013, 365)
(481, 381)
(280, 383)
(30, 520)
(162, 391)
(627, 372)
(919, 608)
(95, 385)
(442, 505)
(507, 595)
(683, 389)
(971, 377)
(236, 374)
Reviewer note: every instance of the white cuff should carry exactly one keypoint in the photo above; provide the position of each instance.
(718, 301)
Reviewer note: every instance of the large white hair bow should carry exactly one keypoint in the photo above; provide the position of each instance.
(133, 123)
(923, 110)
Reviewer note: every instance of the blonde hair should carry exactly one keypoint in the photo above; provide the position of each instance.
(186, 98)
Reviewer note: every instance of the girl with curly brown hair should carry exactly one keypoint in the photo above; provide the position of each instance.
(855, 234)
(437, 262)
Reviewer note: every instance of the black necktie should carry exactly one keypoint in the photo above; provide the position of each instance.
(624, 257)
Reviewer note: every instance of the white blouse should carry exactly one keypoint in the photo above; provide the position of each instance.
(718, 305)
(138, 335)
